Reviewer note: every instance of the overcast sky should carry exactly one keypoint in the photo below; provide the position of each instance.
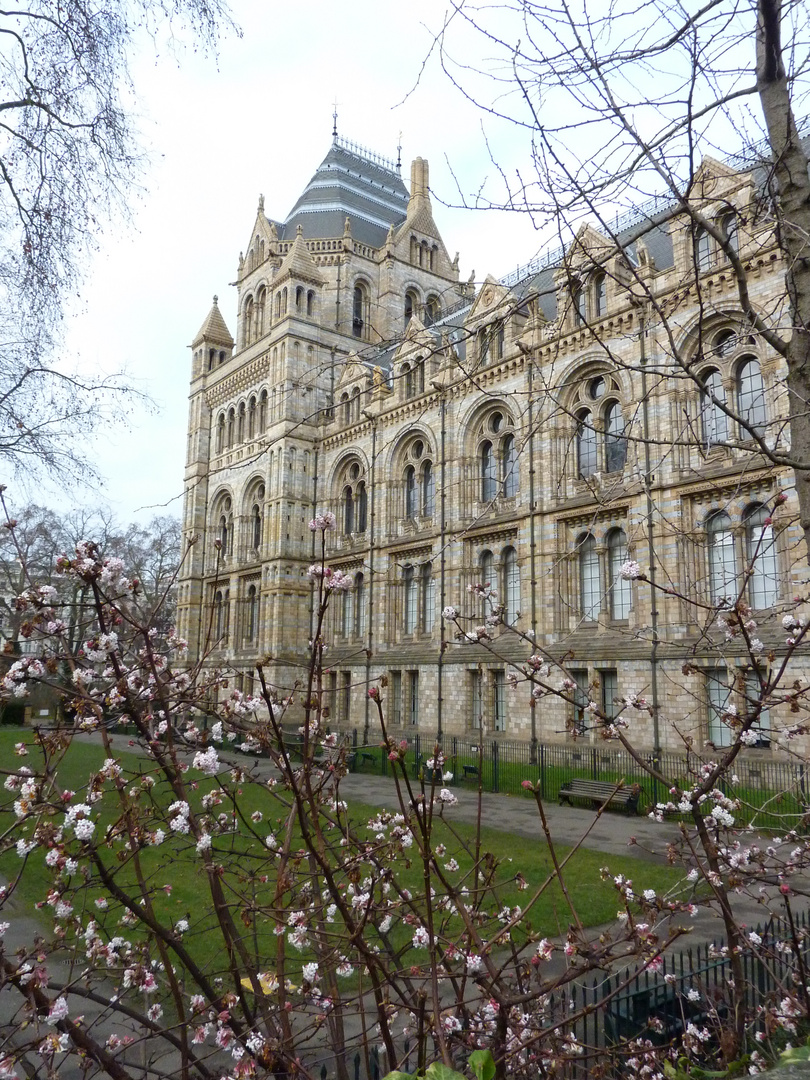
(258, 120)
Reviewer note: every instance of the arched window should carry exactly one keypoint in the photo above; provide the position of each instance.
(252, 418)
(299, 298)
(599, 295)
(359, 311)
(407, 374)
(284, 300)
(411, 304)
(248, 320)
(359, 606)
(726, 342)
(621, 594)
(580, 312)
(590, 591)
(703, 250)
(615, 440)
(713, 420)
(219, 617)
(419, 375)
(511, 585)
(409, 599)
(221, 433)
(410, 492)
(486, 575)
(729, 226)
(256, 523)
(722, 559)
(261, 302)
(428, 597)
(231, 427)
(278, 305)
(347, 626)
(240, 424)
(252, 613)
(348, 511)
(432, 310)
(509, 466)
(362, 507)
(483, 345)
(751, 397)
(310, 302)
(489, 481)
(263, 411)
(760, 554)
(500, 340)
(345, 407)
(586, 445)
(225, 528)
(356, 404)
(428, 490)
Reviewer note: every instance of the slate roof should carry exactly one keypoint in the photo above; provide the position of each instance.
(351, 183)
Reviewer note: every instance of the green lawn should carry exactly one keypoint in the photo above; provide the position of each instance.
(179, 890)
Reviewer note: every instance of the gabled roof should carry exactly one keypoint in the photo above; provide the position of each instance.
(214, 329)
(354, 183)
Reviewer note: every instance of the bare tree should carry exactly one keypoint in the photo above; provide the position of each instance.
(621, 108)
(69, 153)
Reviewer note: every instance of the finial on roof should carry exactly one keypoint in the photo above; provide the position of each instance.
(261, 204)
(399, 152)
(334, 120)
(347, 227)
(216, 298)
(299, 230)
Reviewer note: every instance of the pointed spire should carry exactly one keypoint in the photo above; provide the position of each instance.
(214, 330)
(298, 262)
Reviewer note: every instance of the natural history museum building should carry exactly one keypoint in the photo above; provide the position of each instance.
(533, 432)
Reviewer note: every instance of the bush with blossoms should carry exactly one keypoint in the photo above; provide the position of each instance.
(199, 899)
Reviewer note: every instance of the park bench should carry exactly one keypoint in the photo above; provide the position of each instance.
(600, 792)
(470, 772)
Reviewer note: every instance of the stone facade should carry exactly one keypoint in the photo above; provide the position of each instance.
(534, 432)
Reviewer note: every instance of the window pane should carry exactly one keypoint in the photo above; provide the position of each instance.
(511, 574)
(615, 442)
(590, 593)
(586, 446)
(410, 600)
(751, 397)
(413, 697)
(718, 694)
(510, 466)
(703, 250)
(410, 492)
(753, 697)
(488, 482)
(396, 698)
(359, 606)
(499, 702)
(428, 490)
(348, 614)
(476, 699)
(599, 295)
(763, 584)
(428, 598)
(581, 699)
(621, 592)
(610, 691)
(722, 559)
(713, 420)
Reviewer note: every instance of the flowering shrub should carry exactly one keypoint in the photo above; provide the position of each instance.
(298, 924)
